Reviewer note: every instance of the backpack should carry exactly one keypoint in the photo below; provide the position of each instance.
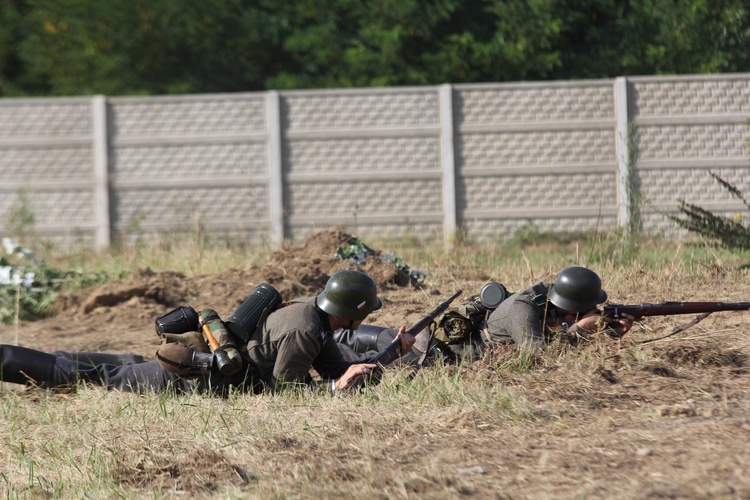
(468, 319)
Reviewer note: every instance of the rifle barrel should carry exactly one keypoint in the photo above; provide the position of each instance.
(391, 352)
(671, 308)
(427, 319)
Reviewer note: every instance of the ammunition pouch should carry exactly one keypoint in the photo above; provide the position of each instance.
(193, 340)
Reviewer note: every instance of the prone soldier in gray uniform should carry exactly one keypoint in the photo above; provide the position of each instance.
(527, 319)
(300, 336)
(568, 306)
(282, 350)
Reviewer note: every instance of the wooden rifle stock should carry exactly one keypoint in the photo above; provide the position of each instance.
(393, 350)
(615, 311)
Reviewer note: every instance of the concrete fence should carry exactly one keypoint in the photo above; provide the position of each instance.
(483, 160)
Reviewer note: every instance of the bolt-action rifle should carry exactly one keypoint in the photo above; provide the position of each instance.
(615, 311)
(393, 350)
(702, 309)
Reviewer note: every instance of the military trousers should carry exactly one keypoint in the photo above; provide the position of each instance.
(123, 372)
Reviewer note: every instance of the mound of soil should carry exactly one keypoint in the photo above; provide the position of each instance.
(118, 316)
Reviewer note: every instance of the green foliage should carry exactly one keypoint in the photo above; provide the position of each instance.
(28, 285)
(356, 252)
(729, 232)
(83, 47)
(601, 38)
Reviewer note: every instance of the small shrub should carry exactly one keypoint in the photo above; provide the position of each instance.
(729, 232)
(20, 218)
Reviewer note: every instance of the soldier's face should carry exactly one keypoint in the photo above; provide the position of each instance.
(572, 316)
(348, 324)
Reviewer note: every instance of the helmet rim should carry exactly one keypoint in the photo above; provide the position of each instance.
(577, 289)
(350, 295)
(575, 306)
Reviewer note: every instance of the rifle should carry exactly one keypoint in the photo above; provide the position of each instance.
(615, 311)
(393, 350)
(703, 309)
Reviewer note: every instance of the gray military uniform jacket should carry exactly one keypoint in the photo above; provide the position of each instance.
(290, 342)
(521, 318)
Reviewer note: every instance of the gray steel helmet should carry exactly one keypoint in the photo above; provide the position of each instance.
(350, 295)
(577, 289)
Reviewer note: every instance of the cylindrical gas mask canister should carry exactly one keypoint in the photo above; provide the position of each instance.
(492, 295)
(180, 320)
(244, 320)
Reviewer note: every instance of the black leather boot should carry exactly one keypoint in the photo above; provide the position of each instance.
(19, 365)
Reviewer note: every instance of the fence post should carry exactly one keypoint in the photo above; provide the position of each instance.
(447, 160)
(622, 150)
(100, 144)
(275, 175)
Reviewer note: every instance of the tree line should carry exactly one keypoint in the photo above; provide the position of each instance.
(142, 47)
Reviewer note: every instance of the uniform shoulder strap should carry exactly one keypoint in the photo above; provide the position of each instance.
(540, 291)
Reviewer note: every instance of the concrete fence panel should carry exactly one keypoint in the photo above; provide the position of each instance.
(46, 167)
(190, 163)
(479, 160)
(685, 127)
(527, 152)
(369, 159)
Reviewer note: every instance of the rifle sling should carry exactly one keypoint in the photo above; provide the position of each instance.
(682, 328)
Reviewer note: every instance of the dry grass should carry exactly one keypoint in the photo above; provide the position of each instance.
(603, 420)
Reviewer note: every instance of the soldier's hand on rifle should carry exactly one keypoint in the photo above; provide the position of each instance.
(593, 322)
(407, 340)
(353, 376)
(586, 323)
(619, 327)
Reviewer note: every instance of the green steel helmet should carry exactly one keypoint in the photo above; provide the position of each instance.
(350, 295)
(577, 289)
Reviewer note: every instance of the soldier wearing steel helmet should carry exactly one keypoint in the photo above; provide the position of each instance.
(299, 337)
(527, 318)
(290, 342)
